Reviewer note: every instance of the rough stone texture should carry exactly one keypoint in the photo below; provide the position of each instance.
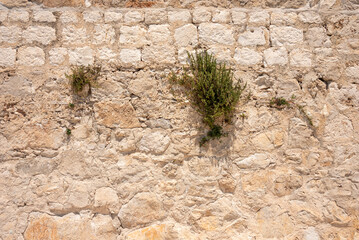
(132, 167)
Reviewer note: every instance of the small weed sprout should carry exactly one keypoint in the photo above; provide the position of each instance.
(82, 79)
(68, 132)
(209, 85)
(279, 103)
(71, 105)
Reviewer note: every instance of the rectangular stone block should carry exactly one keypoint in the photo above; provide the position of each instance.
(275, 56)
(40, 34)
(300, 58)
(10, 34)
(7, 57)
(69, 17)
(253, 37)
(107, 54)
(103, 34)
(186, 35)
(19, 16)
(72, 35)
(3, 15)
(215, 33)
(31, 56)
(239, 17)
(156, 16)
(285, 35)
(134, 17)
(280, 18)
(113, 17)
(44, 16)
(92, 16)
(258, 18)
(162, 54)
(130, 55)
(159, 34)
(81, 56)
(201, 15)
(57, 56)
(133, 35)
(221, 16)
(247, 57)
(181, 16)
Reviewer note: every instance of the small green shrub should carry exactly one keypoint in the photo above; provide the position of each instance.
(68, 132)
(82, 79)
(211, 90)
(279, 102)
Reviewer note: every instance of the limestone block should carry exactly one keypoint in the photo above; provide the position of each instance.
(258, 18)
(223, 55)
(253, 37)
(3, 15)
(106, 199)
(57, 56)
(106, 53)
(111, 114)
(182, 55)
(19, 15)
(181, 16)
(130, 55)
(282, 18)
(256, 161)
(31, 56)
(44, 16)
(156, 16)
(239, 17)
(92, 16)
(133, 35)
(72, 35)
(285, 35)
(353, 72)
(309, 17)
(7, 57)
(186, 35)
(62, 3)
(143, 208)
(246, 56)
(201, 15)
(79, 196)
(286, 184)
(159, 34)
(81, 56)
(10, 34)
(40, 34)
(215, 33)
(68, 17)
(113, 17)
(317, 37)
(134, 17)
(14, 3)
(227, 184)
(152, 231)
(154, 142)
(221, 16)
(103, 34)
(311, 234)
(276, 56)
(300, 58)
(162, 54)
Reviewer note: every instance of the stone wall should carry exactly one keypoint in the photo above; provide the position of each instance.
(132, 167)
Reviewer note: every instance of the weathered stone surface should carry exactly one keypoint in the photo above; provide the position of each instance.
(285, 35)
(239, 17)
(143, 208)
(317, 37)
(300, 58)
(154, 142)
(108, 54)
(159, 34)
(281, 18)
(155, 16)
(57, 55)
(256, 161)
(309, 17)
(104, 34)
(201, 15)
(68, 17)
(43, 35)
(162, 54)
(246, 56)
(7, 57)
(130, 55)
(152, 232)
(258, 18)
(31, 56)
(122, 114)
(212, 33)
(186, 35)
(133, 35)
(10, 34)
(113, 17)
(72, 35)
(81, 56)
(276, 56)
(14, 3)
(61, 3)
(221, 16)
(92, 16)
(44, 16)
(106, 200)
(134, 17)
(253, 37)
(19, 15)
(182, 16)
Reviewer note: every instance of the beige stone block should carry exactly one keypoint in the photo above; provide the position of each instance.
(3, 15)
(104, 34)
(57, 56)
(31, 56)
(62, 3)
(156, 16)
(309, 17)
(221, 16)
(107, 54)
(258, 18)
(7, 57)
(19, 16)
(92, 16)
(44, 16)
(69, 17)
(279, 18)
(162, 54)
(10, 34)
(130, 55)
(256, 161)
(201, 15)
(113, 17)
(41, 34)
(239, 16)
(276, 56)
(246, 56)
(159, 34)
(133, 35)
(106, 200)
(215, 33)
(81, 56)
(317, 37)
(14, 3)
(179, 16)
(154, 142)
(72, 35)
(285, 35)
(134, 17)
(253, 37)
(300, 58)
(186, 36)
(159, 232)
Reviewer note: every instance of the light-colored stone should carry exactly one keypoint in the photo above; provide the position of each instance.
(311, 234)
(239, 16)
(130, 55)
(215, 33)
(134, 17)
(279, 18)
(300, 58)
(3, 15)
(352, 72)
(285, 35)
(106, 53)
(44, 16)
(317, 37)
(7, 57)
(253, 37)
(159, 34)
(155, 16)
(104, 34)
(10, 34)
(246, 56)
(92, 16)
(113, 17)
(223, 55)
(221, 16)
(143, 208)
(133, 35)
(181, 16)
(72, 35)
(256, 161)
(68, 17)
(154, 142)
(121, 114)
(156, 232)
(201, 15)
(31, 56)
(19, 16)
(106, 200)
(160, 54)
(275, 56)
(81, 56)
(40, 34)
(258, 18)
(309, 17)
(186, 35)
(57, 56)
(14, 3)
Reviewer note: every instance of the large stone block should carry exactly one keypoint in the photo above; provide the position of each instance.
(317, 37)
(7, 57)
(111, 16)
(279, 18)
(130, 56)
(161, 54)
(104, 34)
(106, 200)
(10, 34)
(81, 56)
(156, 16)
(253, 37)
(69, 17)
(221, 16)
(57, 56)
(201, 15)
(31, 56)
(258, 18)
(301, 58)
(14, 3)
(72, 35)
(246, 56)
(155, 142)
(92, 16)
(19, 16)
(239, 16)
(40, 34)
(186, 35)
(181, 16)
(276, 56)
(134, 17)
(44, 16)
(215, 33)
(285, 35)
(133, 35)
(62, 3)
(159, 34)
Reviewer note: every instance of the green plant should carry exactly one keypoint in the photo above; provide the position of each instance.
(279, 102)
(68, 132)
(71, 105)
(83, 78)
(211, 90)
